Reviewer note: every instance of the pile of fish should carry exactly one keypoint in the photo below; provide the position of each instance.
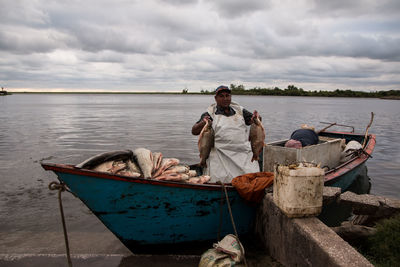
(142, 163)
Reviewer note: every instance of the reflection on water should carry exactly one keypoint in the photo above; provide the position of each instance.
(71, 128)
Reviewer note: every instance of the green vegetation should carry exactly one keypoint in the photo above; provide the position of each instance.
(383, 248)
(292, 90)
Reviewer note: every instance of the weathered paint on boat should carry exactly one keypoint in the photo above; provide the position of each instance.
(143, 212)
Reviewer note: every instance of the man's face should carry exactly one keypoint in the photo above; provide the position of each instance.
(223, 99)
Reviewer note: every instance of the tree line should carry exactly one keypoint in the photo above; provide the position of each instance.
(292, 90)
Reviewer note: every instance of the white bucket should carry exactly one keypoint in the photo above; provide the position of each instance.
(298, 189)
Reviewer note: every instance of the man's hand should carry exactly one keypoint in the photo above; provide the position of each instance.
(196, 129)
(207, 118)
(255, 115)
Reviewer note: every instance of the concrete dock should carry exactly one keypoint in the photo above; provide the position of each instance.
(308, 241)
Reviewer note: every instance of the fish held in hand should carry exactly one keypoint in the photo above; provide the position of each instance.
(206, 142)
(256, 136)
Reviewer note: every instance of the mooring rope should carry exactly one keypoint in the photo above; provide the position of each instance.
(61, 187)
(233, 224)
(221, 203)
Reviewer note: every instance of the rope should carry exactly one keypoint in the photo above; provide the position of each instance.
(221, 203)
(233, 224)
(61, 187)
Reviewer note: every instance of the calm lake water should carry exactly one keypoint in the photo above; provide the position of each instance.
(71, 128)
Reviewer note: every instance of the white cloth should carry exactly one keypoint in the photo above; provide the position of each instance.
(231, 155)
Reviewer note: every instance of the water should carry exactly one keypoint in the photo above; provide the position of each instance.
(71, 128)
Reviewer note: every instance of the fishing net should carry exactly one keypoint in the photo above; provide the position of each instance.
(251, 186)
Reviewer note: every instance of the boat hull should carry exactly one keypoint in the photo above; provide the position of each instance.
(146, 214)
(345, 180)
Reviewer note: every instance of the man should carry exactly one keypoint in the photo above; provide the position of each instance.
(231, 155)
(305, 136)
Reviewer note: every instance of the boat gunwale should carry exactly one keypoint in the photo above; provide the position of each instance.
(71, 169)
(330, 176)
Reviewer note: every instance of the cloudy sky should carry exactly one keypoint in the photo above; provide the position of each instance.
(169, 45)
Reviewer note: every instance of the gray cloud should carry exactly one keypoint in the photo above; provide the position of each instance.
(355, 8)
(179, 2)
(20, 12)
(238, 8)
(173, 44)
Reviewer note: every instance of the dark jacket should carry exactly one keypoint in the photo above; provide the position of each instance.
(305, 136)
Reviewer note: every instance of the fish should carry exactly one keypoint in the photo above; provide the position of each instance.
(173, 177)
(199, 179)
(192, 173)
(256, 136)
(144, 158)
(165, 164)
(132, 166)
(130, 173)
(206, 143)
(112, 166)
(157, 159)
(131, 169)
(118, 166)
(177, 169)
(104, 167)
(127, 168)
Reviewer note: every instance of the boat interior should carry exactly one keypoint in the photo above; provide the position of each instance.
(328, 153)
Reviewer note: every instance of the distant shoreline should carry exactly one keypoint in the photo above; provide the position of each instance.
(393, 97)
(179, 93)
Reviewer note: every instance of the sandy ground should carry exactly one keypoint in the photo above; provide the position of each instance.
(87, 249)
(24, 248)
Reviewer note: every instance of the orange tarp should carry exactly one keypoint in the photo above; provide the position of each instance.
(251, 186)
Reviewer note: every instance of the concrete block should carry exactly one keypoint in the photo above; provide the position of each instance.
(361, 204)
(303, 241)
(370, 204)
(330, 194)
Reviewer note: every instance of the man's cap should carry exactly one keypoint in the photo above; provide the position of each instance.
(222, 88)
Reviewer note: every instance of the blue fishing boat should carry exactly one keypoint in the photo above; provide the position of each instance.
(150, 215)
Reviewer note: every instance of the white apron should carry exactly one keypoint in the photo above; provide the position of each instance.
(231, 155)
